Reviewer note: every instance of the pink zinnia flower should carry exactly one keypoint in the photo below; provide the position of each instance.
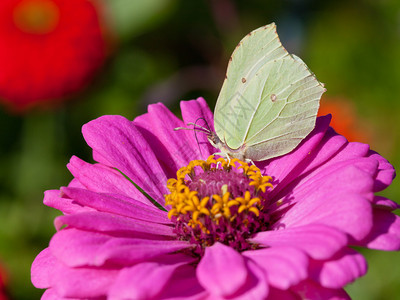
(284, 235)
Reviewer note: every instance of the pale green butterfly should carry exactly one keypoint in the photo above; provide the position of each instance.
(268, 102)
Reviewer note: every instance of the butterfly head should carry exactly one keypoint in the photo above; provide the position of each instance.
(214, 140)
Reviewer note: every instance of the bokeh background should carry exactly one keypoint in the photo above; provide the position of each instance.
(172, 50)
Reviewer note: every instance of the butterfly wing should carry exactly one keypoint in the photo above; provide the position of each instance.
(252, 53)
(269, 100)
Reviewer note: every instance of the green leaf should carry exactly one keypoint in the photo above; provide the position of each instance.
(144, 193)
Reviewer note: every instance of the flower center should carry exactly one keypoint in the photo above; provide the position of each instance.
(218, 200)
(36, 16)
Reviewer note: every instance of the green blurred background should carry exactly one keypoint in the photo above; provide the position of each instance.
(171, 50)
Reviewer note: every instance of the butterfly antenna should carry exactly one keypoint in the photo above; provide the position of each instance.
(209, 129)
(196, 127)
(203, 129)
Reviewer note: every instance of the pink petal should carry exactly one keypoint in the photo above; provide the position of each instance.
(174, 148)
(117, 139)
(386, 172)
(194, 109)
(357, 172)
(311, 290)
(283, 266)
(285, 168)
(317, 240)
(385, 234)
(347, 212)
(342, 269)
(342, 150)
(350, 176)
(99, 157)
(102, 179)
(105, 222)
(76, 183)
(350, 151)
(82, 248)
(222, 271)
(184, 285)
(52, 198)
(275, 294)
(142, 281)
(198, 111)
(41, 270)
(118, 205)
(82, 283)
(74, 247)
(328, 148)
(256, 286)
(384, 203)
(67, 282)
(124, 252)
(334, 149)
(50, 294)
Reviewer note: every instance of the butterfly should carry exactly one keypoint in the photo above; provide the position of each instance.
(268, 102)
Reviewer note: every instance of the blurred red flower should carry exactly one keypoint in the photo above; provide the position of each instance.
(3, 280)
(48, 49)
(345, 119)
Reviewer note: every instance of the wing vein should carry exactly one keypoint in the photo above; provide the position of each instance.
(278, 136)
(280, 112)
(254, 113)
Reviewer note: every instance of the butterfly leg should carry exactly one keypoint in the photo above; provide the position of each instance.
(224, 155)
(248, 160)
(228, 157)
